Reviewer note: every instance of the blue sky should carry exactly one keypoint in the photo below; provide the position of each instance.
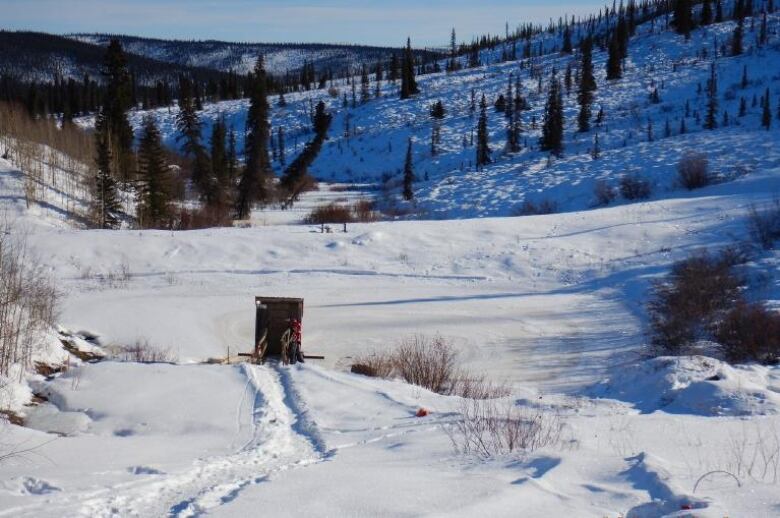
(376, 22)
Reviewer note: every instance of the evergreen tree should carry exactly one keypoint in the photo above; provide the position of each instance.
(296, 178)
(736, 38)
(766, 116)
(512, 127)
(711, 122)
(280, 144)
(408, 82)
(483, 146)
(253, 185)
(552, 128)
(232, 157)
(587, 85)
(683, 18)
(614, 66)
(365, 91)
(452, 65)
(567, 48)
(154, 184)
(718, 11)
(106, 206)
(742, 107)
(116, 102)
(189, 132)
(408, 174)
(745, 82)
(219, 163)
(706, 12)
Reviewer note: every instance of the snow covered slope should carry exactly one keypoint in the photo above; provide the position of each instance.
(280, 58)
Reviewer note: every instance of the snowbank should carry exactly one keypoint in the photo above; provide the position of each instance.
(695, 385)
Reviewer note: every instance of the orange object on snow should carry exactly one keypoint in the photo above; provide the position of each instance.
(422, 412)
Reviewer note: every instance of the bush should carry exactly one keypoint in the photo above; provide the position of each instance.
(374, 365)
(693, 171)
(143, 352)
(362, 211)
(764, 224)
(203, 217)
(332, 213)
(604, 193)
(488, 428)
(750, 332)
(690, 303)
(529, 208)
(429, 363)
(632, 187)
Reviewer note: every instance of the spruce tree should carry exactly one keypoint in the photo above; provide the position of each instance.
(587, 85)
(512, 128)
(711, 121)
(408, 174)
(253, 184)
(106, 206)
(280, 144)
(766, 116)
(706, 12)
(296, 178)
(567, 47)
(189, 129)
(683, 18)
(614, 66)
(365, 91)
(154, 184)
(116, 102)
(483, 146)
(736, 38)
(219, 163)
(552, 128)
(408, 81)
(718, 11)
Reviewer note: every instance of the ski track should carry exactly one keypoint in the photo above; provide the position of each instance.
(283, 437)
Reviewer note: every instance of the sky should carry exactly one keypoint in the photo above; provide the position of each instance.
(371, 22)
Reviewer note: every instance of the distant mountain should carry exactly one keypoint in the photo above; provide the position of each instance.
(280, 58)
(41, 57)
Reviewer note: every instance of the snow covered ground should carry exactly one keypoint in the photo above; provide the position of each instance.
(552, 305)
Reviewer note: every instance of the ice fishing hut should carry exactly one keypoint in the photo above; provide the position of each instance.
(278, 329)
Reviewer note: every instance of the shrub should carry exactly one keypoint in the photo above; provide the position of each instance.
(203, 217)
(693, 171)
(764, 224)
(604, 193)
(362, 211)
(28, 300)
(688, 305)
(374, 365)
(430, 363)
(750, 332)
(143, 352)
(489, 427)
(529, 208)
(427, 363)
(332, 213)
(632, 187)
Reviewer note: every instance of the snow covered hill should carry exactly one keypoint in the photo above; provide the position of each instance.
(280, 58)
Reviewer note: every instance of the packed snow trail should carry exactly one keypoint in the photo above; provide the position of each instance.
(282, 438)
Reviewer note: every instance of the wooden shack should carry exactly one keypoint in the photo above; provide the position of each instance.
(274, 321)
